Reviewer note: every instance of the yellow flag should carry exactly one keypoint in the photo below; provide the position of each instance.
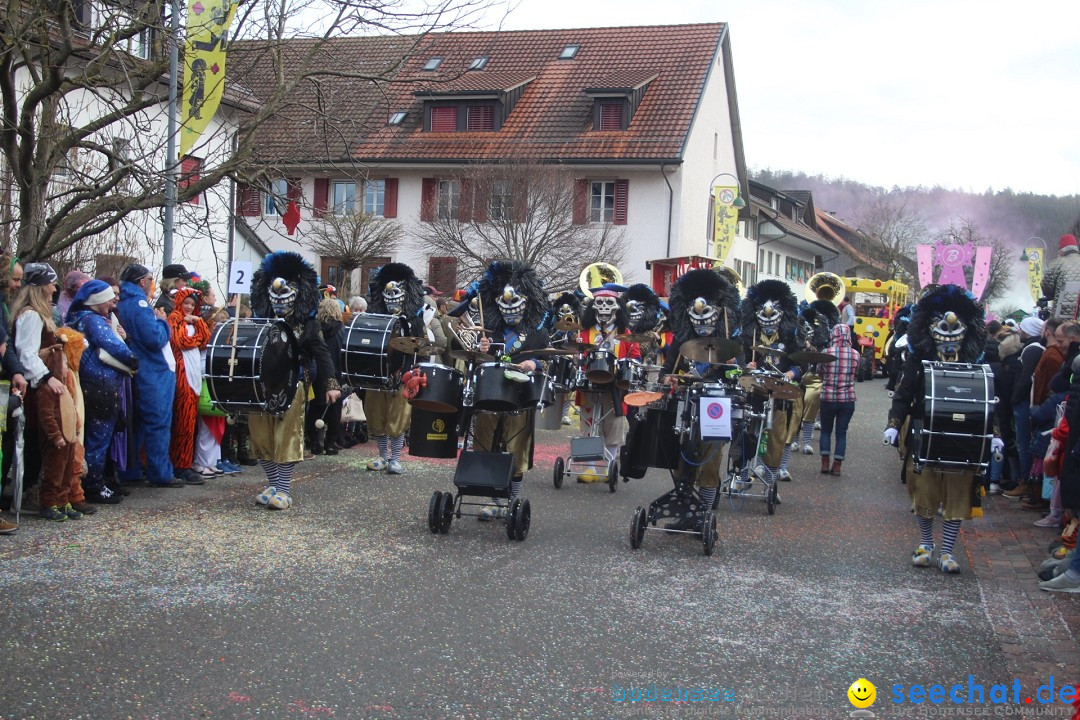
(204, 66)
(725, 220)
(1035, 272)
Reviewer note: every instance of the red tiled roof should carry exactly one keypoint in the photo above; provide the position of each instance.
(334, 117)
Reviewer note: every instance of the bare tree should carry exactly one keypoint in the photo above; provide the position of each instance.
(1002, 265)
(520, 211)
(83, 88)
(893, 230)
(352, 238)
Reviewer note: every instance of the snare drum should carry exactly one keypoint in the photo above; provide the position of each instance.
(600, 366)
(365, 351)
(957, 425)
(442, 391)
(257, 371)
(628, 373)
(563, 372)
(538, 392)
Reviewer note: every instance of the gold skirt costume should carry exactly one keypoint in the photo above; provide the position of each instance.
(280, 439)
(388, 414)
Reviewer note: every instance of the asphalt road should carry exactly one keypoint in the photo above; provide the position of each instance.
(195, 603)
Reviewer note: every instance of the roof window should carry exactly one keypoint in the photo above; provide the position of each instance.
(478, 63)
(433, 63)
(396, 118)
(569, 52)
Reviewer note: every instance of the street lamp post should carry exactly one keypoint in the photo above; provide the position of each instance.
(1024, 254)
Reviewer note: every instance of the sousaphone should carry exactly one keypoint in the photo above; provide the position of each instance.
(825, 286)
(597, 274)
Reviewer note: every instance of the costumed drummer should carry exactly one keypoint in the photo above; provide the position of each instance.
(946, 326)
(286, 287)
(815, 329)
(565, 311)
(512, 302)
(703, 304)
(769, 319)
(644, 317)
(394, 290)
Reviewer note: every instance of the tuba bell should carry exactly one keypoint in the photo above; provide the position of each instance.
(731, 276)
(597, 274)
(825, 286)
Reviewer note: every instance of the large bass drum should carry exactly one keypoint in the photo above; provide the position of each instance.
(252, 366)
(958, 416)
(366, 360)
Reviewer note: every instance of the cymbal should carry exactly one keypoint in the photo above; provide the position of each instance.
(428, 350)
(710, 350)
(810, 357)
(765, 350)
(407, 344)
(641, 399)
(576, 346)
(778, 388)
(567, 326)
(472, 356)
(635, 338)
(547, 352)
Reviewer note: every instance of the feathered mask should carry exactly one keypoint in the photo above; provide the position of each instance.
(947, 325)
(285, 284)
(512, 296)
(769, 309)
(642, 308)
(703, 303)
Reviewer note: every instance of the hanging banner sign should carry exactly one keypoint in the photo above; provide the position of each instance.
(1035, 272)
(725, 219)
(204, 66)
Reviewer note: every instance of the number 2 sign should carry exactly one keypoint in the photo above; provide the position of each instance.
(240, 277)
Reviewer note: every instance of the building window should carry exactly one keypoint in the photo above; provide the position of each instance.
(502, 201)
(444, 118)
(479, 63)
(442, 273)
(569, 52)
(602, 202)
(190, 168)
(480, 118)
(397, 118)
(344, 197)
(332, 273)
(761, 259)
(277, 197)
(448, 199)
(375, 197)
(433, 63)
(611, 116)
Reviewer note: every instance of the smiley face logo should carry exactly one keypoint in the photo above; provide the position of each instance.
(862, 693)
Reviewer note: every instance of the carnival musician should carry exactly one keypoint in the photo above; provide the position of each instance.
(817, 320)
(703, 305)
(645, 317)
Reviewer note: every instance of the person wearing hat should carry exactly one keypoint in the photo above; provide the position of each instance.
(148, 336)
(173, 277)
(1061, 282)
(72, 282)
(104, 365)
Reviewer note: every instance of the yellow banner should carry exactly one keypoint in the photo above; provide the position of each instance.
(204, 66)
(1035, 272)
(725, 219)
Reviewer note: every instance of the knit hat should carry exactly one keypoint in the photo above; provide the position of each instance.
(1031, 326)
(93, 292)
(1066, 241)
(38, 274)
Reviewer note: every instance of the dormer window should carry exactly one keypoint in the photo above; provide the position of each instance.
(396, 118)
(616, 97)
(433, 64)
(611, 115)
(569, 52)
(479, 63)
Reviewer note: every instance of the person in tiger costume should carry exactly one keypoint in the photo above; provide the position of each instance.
(190, 334)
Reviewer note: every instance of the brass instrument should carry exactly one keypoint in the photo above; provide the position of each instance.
(597, 274)
(731, 276)
(825, 286)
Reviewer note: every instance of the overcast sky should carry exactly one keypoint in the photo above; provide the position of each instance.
(967, 94)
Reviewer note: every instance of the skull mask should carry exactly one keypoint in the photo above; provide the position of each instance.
(703, 316)
(394, 297)
(769, 317)
(605, 307)
(948, 333)
(512, 306)
(473, 312)
(565, 313)
(635, 310)
(282, 297)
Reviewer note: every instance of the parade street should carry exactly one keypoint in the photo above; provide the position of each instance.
(196, 603)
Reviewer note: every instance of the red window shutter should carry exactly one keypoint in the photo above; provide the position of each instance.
(480, 118)
(622, 192)
(322, 197)
(481, 201)
(611, 116)
(247, 200)
(390, 198)
(189, 173)
(465, 201)
(444, 119)
(581, 201)
(521, 201)
(427, 200)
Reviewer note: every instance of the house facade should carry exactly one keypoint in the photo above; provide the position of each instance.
(639, 120)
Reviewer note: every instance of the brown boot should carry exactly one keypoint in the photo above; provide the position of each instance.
(1021, 490)
(6, 528)
(836, 467)
(824, 464)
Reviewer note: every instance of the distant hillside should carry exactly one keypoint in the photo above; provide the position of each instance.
(1005, 215)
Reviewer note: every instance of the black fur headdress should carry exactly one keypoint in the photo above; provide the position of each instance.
(566, 298)
(644, 294)
(294, 269)
(830, 311)
(403, 275)
(935, 303)
(760, 293)
(716, 290)
(815, 326)
(525, 280)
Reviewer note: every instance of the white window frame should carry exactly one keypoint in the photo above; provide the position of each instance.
(374, 197)
(501, 206)
(602, 203)
(447, 199)
(346, 204)
(275, 189)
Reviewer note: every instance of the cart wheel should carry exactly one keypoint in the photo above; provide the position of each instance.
(446, 512)
(613, 475)
(708, 532)
(511, 518)
(524, 519)
(637, 527)
(557, 474)
(433, 511)
(770, 499)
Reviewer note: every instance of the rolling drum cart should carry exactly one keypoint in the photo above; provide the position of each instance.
(587, 453)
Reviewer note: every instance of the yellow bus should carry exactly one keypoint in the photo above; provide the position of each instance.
(875, 303)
